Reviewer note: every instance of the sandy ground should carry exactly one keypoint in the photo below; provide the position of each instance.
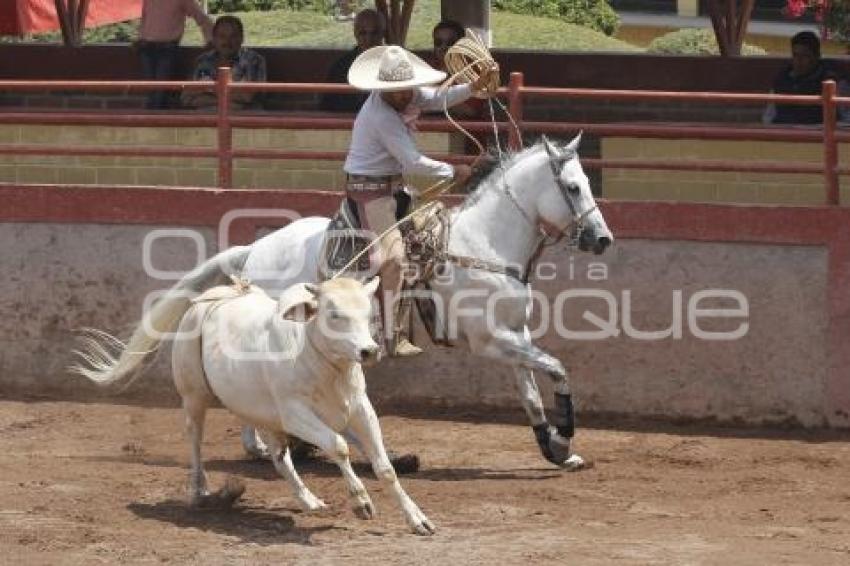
(98, 483)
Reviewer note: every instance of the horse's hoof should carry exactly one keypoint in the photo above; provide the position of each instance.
(559, 447)
(574, 463)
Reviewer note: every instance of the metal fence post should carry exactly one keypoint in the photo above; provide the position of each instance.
(515, 108)
(830, 145)
(225, 131)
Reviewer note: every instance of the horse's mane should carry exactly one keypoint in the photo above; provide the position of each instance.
(490, 168)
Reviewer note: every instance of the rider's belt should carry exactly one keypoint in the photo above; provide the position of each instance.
(373, 186)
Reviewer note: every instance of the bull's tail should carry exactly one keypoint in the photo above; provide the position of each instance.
(106, 360)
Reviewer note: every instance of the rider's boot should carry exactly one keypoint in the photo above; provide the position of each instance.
(399, 344)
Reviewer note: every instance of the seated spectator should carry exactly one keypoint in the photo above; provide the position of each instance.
(369, 29)
(246, 66)
(803, 75)
(445, 34)
(162, 26)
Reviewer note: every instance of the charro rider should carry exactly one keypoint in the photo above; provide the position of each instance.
(383, 151)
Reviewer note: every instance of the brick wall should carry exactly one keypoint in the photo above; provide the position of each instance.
(179, 171)
(707, 186)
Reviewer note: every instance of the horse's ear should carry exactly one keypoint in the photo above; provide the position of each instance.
(573, 145)
(551, 150)
(299, 302)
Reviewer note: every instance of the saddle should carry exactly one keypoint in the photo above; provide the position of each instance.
(425, 236)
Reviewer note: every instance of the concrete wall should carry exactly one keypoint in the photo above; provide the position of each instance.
(74, 256)
(775, 373)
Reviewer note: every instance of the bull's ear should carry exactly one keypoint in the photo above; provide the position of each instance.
(312, 288)
(371, 286)
(299, 303)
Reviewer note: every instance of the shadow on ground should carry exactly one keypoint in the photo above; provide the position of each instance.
(319, 467)
(249, 524)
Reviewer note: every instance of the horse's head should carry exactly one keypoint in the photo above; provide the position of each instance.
(341, 311)
(569, 205)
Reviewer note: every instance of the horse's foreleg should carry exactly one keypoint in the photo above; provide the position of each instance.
(554, 441)
(529, 396)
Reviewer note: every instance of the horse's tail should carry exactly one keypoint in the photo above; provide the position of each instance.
(106, 360)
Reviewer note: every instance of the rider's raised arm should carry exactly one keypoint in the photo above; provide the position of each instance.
(432, 99)
(399, 143)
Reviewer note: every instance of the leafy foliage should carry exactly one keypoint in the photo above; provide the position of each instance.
(694, 41)
(595, 14)
(230, 6)
(834, 14)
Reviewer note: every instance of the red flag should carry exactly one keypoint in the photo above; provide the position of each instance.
(18, 17)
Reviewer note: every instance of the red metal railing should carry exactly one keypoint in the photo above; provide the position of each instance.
(516, 92)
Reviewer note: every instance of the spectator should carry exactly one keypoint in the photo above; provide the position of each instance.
(803, 75)
(246, 66)
(445, 34)
(369, 29)
(160, 31)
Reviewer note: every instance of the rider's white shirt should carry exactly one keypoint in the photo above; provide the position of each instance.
(382, 144)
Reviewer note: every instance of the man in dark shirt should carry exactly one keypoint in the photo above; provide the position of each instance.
(369, 28)
(803, 75)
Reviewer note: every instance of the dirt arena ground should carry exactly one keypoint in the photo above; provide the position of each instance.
(98, 483)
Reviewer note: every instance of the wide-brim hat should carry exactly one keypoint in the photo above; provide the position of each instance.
(390, 67)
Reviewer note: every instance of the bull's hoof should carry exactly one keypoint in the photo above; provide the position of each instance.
(224, 498)
(365, 511)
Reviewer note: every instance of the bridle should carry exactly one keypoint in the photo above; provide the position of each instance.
(574, 227)
(576, 224)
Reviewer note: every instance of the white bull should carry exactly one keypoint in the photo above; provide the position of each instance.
(291, 367)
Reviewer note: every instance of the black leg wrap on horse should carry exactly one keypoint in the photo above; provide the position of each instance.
(565, 420)
(542, 434)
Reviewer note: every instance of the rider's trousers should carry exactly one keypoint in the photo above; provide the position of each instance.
(377, 215)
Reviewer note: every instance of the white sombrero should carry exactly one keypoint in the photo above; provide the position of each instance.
(390, 67)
